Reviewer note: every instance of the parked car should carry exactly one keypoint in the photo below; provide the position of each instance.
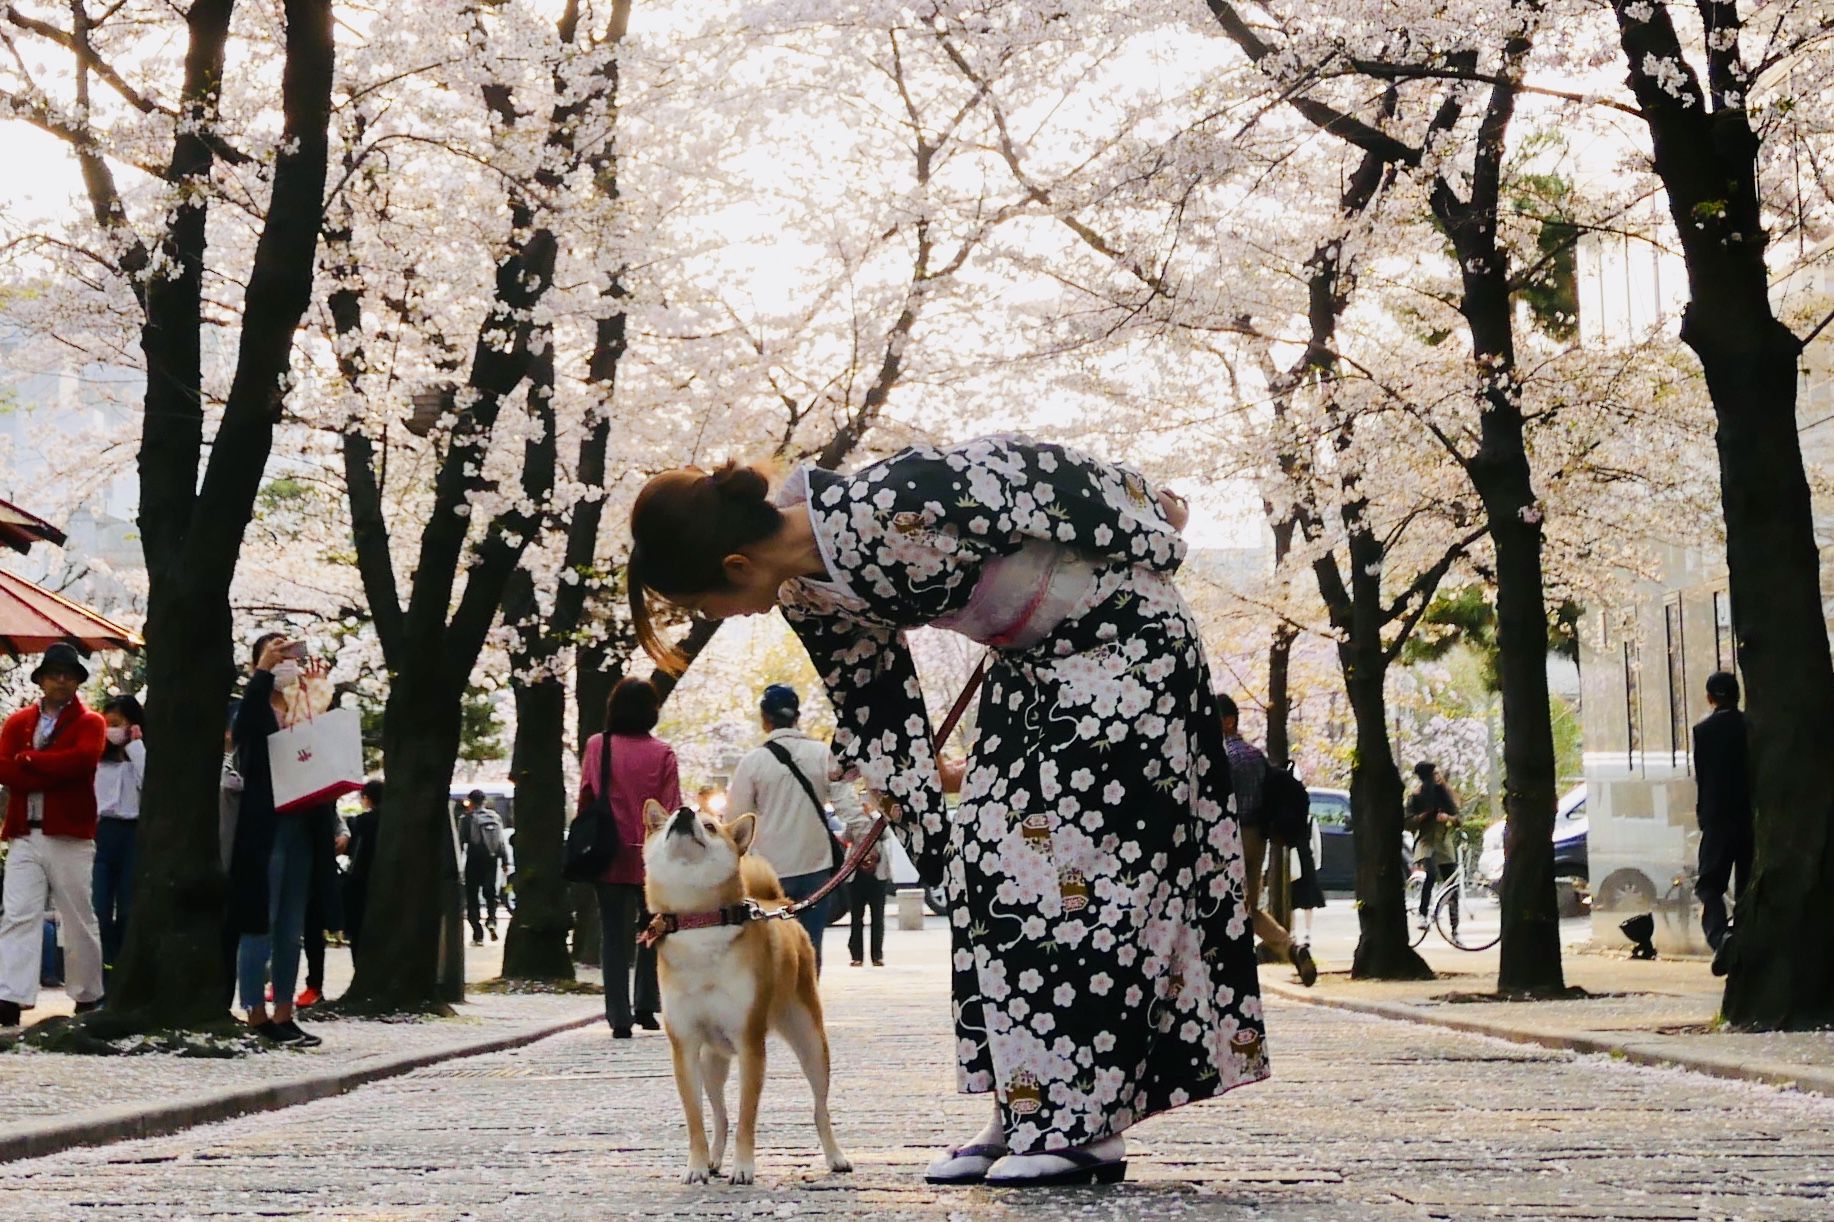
(1334, 849)
(1570, 828)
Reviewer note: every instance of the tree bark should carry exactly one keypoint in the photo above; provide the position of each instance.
(1782, 958)
(173, 971)
(1376, 800)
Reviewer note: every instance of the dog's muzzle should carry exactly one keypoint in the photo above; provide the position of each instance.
(685, 824)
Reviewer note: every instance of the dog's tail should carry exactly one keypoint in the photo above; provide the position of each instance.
(761, 881)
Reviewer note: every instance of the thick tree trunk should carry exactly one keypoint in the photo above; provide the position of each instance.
(1531, 908)
(173, 970)
(1782, 960)
(397, 962)
(1279, 663)
(1376, 801)
(536, 945)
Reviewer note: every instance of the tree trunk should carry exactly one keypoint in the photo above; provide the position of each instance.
(397, 962)
(1782, 965)
(1376, 801)
(1279, 662)
(536, 945)
(173, 970)
(1531, 906)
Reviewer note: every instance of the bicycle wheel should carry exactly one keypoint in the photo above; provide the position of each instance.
(1417, 924)
(1468, 918)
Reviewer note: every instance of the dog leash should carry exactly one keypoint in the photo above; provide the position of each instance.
(864, 844)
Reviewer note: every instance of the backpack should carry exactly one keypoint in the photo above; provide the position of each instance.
(1286, 807)
(488, 829)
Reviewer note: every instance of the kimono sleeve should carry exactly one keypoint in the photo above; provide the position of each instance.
(1032, 490)
(881, 729)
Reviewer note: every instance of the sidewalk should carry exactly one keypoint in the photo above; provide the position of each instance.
(53, 1101)
(1661, 1013)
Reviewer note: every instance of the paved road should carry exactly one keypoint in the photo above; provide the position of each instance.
(1365, 1119)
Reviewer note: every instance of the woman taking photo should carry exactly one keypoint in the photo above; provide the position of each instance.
(119, 778)
(642, 767)
(1103, 969)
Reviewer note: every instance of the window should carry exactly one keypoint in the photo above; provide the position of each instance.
(1722, 631)
(1329, 810)
(1633, 704)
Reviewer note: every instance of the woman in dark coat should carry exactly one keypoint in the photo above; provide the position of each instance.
(1103, 967)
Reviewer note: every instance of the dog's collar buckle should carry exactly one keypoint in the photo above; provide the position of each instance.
(665, 923)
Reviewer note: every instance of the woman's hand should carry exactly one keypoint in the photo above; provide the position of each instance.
(953, 772)
(1177, 510)
(273, 653)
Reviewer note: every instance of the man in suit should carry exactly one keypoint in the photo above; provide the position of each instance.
(1724, 810)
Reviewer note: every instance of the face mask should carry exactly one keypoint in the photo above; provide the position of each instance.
(117, 735)
(286, 676)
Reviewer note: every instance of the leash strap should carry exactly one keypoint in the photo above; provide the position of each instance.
(864, 845)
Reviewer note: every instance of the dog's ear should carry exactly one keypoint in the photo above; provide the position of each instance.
(654, 814)
(744, 830)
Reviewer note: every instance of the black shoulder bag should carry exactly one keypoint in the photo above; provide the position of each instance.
(836, 853)
(592, 837)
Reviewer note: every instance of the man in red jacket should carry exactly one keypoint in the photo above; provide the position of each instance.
(48, 757)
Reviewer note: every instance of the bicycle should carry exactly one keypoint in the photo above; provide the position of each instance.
(1467, 915)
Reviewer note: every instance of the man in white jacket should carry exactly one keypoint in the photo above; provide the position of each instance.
(789, 782)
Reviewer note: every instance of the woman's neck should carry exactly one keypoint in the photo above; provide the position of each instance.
(795, 546)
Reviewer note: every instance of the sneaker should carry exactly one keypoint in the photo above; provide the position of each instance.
(1722, 957)
(84, 1007)
(271, 1032)
(856, 963)
(293, 1035)
(878, 963)
(477, 941)
(308, 998)
(492, 929)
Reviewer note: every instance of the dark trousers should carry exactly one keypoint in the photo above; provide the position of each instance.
(814, 919)
(1725, 852)
(620, 911)
(112, 888)
(481, 891)
(1436, 873)
(868, 895)
(315, 956)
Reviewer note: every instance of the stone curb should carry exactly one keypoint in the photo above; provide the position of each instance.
(1635, 1047)
(101, 1126)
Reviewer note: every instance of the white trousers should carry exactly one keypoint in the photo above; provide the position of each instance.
(62, 867)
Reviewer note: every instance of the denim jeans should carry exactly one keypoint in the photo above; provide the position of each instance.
(289, 877)
(813, 919)
(113, 883)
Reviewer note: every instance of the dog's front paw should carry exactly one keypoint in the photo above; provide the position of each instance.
(744, 1173)
(696, 1175)
(840, 1162)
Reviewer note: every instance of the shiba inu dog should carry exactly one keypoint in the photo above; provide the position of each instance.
(727, 978)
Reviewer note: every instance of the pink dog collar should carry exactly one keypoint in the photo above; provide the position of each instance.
(665, 923)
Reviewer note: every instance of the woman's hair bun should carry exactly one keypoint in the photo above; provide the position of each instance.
(741, 483)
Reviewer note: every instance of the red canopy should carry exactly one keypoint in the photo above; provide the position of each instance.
(32, 618)
(19, 530)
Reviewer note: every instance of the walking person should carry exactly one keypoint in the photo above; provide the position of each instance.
(1102, 966)
(119, 779)
(1723, 809)
(642, 767)
(270, 866)
(1248, 777)
(869, 887)
(1432, 816)
(49, 753)
(481, 832)
(787, 781)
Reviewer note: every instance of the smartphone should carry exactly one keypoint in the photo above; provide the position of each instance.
(295, 650)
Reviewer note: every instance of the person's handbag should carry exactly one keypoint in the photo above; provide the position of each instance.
(836, 854)
(317, 760)
(592, 837)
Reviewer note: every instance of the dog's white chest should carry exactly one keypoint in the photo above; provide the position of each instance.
(710, 987)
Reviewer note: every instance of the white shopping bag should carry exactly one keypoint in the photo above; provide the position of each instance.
(317, 760)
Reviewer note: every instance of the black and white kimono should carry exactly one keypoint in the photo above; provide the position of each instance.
(1103, 964)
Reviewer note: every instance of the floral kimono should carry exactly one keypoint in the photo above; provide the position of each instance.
(1103, 964)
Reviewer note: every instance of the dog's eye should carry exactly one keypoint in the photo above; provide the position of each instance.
(708, 825)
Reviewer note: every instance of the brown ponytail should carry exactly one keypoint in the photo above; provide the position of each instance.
(683, 526)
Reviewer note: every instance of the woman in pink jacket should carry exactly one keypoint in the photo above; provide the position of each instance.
(642, 767)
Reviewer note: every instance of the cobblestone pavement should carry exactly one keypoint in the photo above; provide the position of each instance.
(1364, 1119)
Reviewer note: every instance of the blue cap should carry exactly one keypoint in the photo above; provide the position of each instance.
(780, 699)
